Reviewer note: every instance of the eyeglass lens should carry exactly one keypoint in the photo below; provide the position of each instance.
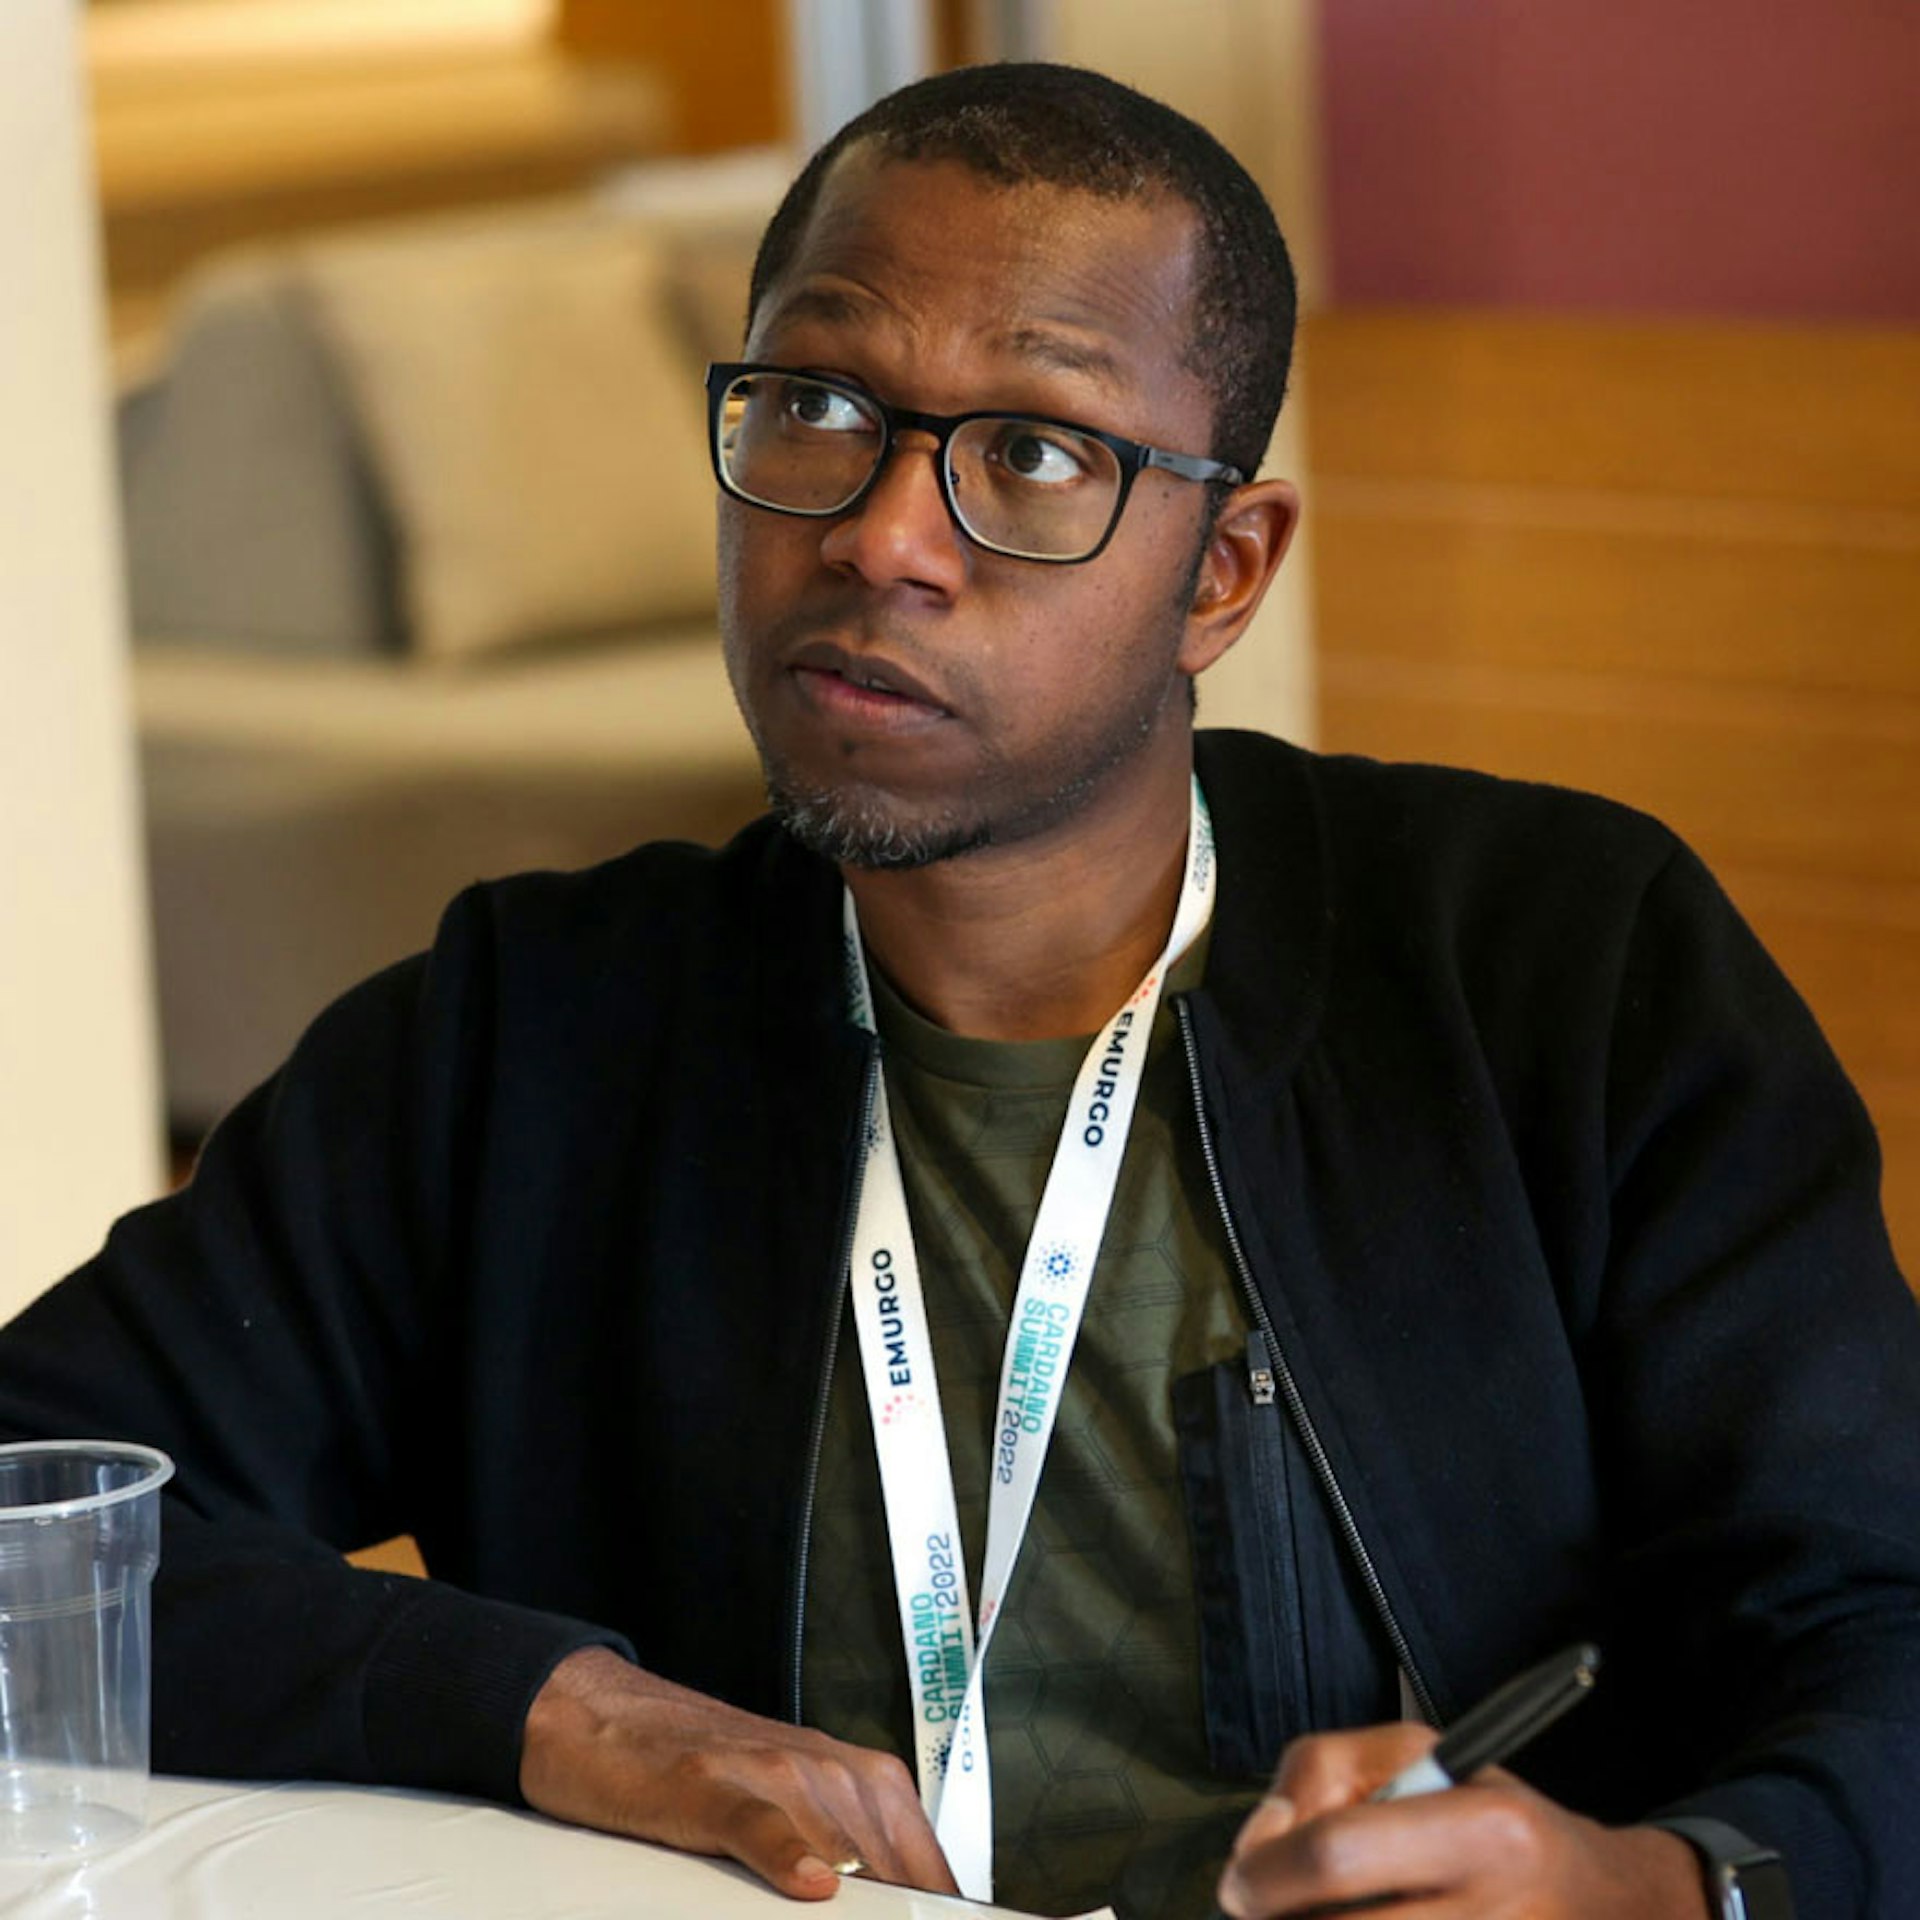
(1021, 487)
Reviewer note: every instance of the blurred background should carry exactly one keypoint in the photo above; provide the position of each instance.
(355, 528)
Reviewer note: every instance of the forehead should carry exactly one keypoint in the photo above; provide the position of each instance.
(958, 277)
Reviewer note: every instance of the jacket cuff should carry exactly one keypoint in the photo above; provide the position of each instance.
(448, 1689)
(1823, 1863)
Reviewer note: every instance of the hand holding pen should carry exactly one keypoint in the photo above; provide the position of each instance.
(1501, 1724)
(1331, 1839)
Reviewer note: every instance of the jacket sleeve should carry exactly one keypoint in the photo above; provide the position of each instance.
(1756, 1385)
(275, 1327)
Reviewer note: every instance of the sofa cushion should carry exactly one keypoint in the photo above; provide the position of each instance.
(537, 422)
(251, 515)
(707, 214)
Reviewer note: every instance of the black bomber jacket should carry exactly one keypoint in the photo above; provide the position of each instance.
(1562, 1218)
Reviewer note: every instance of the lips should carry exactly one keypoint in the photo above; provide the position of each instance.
(845, 681)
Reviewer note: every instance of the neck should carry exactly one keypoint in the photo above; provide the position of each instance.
(1042, 939)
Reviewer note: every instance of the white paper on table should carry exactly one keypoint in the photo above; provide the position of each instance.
(215, 1851)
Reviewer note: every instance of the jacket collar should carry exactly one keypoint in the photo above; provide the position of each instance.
(1267, 970)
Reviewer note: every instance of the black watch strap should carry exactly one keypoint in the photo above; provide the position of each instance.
(1745, 1881)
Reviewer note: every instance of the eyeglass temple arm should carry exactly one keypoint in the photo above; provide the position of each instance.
(1190, 467)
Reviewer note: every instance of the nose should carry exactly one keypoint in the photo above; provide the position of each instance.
(901, 533)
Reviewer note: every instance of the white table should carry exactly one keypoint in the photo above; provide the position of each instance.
(215, 1851)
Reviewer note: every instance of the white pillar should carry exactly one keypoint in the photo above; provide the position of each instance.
(846, 54)
(80, 1130)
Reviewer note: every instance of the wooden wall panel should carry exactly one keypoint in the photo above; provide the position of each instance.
(1725, 413)
(1802, 783)
(1678, 564)
(724, 67)
(1616, 585)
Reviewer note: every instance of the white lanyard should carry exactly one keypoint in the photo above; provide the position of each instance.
(945, 1668)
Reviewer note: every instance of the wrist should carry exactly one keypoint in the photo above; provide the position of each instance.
(1665, 1875)
(569, 1707)
(1740, 1878)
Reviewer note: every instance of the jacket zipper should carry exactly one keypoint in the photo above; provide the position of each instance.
(1267, 1368)
(816, 1436)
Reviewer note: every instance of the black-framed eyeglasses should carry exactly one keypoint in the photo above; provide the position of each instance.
(1033, 488)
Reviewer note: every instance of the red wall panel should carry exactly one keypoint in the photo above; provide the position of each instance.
(1736, 157)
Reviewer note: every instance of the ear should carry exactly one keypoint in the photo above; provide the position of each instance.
(1244, 551)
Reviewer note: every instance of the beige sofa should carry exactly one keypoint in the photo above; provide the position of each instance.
(418, 526)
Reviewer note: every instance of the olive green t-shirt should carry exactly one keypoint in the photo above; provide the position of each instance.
(1101, 1786)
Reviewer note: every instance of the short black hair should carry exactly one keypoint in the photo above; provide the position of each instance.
(1031, 123)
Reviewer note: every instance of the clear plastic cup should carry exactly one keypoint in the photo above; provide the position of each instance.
(79, 1541)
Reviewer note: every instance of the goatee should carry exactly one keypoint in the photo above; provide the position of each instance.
(852, 830)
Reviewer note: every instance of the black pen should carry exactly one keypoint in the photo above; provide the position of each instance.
(1502, 1723)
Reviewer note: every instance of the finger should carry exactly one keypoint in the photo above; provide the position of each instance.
(767, 1840)
(873, 1797)
(1274, 1816)
(923, 1861)
(1495, 1776)
(907, 1854)
(1405, 1850)
(1325, 1771)
(1327, 1863)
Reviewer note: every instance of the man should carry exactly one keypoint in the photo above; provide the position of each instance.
(1488, 1249)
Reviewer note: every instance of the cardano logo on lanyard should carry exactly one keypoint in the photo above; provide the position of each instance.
(946, 1655)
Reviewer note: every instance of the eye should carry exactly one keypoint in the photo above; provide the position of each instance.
(1043, 456)
(825, 410)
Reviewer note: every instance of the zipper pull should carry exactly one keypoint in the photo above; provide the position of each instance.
(1259, 1373)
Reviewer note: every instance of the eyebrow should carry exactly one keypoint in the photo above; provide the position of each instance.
(1058, 353)
(1042, 348)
